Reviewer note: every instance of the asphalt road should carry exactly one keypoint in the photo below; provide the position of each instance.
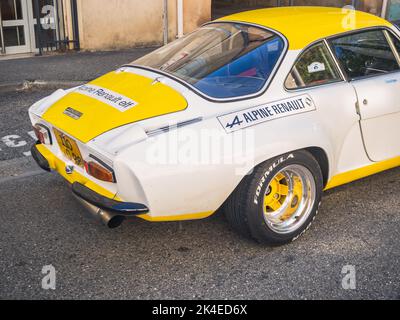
(42, 224)
(15, 129)
(81, 66)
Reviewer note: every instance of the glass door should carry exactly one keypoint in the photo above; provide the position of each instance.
(15, 37)
(393, 11)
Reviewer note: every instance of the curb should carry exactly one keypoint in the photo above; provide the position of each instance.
(39, 84)
(9, 86)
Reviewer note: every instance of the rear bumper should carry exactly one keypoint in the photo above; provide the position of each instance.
(39, 158)
(103, 203)
(99, 202)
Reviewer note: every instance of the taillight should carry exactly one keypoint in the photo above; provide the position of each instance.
(99, 172)
(42, 134)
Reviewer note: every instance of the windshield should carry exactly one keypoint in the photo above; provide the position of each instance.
(222, 60)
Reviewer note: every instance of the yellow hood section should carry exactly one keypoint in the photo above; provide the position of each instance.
(99, 115)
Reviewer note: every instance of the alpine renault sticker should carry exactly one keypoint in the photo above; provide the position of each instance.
(109, 97)
(275, 110)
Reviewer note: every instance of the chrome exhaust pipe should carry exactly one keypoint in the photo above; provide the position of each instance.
(109, 219)
(109, 212)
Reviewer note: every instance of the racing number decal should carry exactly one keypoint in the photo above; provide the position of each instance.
(279, 109)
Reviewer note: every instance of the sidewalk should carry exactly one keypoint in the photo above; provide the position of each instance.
(68, 67)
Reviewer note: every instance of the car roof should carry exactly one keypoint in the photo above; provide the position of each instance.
(304, 25)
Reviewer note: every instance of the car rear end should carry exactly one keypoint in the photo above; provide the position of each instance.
(88, 171)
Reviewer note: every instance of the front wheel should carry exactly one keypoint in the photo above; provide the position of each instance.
(277, 203)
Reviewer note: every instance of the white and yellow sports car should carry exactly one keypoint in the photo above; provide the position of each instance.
(256, 113)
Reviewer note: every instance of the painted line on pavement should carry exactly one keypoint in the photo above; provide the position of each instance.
(22, 140)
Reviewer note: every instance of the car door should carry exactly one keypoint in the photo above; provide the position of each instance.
(371, 62)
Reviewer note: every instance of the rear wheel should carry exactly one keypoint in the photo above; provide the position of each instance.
(278, 201)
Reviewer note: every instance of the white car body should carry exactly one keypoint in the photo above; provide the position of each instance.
(352, 127)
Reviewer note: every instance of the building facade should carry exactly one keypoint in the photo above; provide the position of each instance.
(119, 24)
(30, 26)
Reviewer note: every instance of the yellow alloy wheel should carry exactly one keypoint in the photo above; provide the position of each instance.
(289, 199)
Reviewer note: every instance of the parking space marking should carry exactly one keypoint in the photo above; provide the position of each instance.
(32, 135)
(16, 141)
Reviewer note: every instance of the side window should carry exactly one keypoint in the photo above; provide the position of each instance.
(395, 41)
(314, 67)
(364, 54)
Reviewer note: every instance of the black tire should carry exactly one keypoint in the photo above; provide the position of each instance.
(245, 212)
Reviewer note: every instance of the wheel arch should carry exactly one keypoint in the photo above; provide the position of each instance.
(318, 153)
(322, 158)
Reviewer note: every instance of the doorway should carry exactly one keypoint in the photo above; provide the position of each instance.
(15, 29)
(34, 26)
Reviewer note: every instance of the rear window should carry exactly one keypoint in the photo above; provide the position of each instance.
(221, 60)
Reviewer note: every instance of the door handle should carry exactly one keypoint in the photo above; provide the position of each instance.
(365, 102)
